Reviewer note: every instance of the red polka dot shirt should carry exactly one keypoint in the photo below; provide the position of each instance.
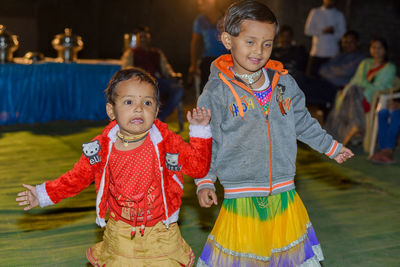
(135, 185)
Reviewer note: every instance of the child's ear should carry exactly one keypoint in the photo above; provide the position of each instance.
(110, 111)
(156, 114)
(226, 39)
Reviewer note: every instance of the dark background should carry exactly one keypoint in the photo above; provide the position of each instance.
(102, 23)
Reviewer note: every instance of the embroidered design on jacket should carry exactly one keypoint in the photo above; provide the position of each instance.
(284, 104)
(172, 162)
(91, 151)
(287, 104)
(247, 103)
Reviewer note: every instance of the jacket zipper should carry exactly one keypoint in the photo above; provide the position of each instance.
(274, 82)
(269, 155)
(273, 85)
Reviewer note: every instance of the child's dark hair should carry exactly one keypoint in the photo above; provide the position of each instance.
(127, 74)
(247, 10)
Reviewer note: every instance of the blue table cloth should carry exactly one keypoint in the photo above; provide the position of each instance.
(53, 91)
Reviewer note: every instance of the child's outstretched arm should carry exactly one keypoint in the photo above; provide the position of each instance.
(207, 197)
(28, 197)
(199, 116)
(343, 155)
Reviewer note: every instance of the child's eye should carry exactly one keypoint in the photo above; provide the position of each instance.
(250, 42)
(147, 103)
(267, 45)
(128, 102)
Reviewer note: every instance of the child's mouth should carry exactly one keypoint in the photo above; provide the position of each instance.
(137, 121)
(254, 60)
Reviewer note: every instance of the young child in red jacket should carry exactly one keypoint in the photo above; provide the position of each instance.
(137, 165)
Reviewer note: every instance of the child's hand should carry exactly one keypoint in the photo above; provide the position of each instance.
(207, 197)
(343, 155)
(28, 197)
(200, 116)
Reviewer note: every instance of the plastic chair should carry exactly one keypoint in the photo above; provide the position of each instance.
(381, 99)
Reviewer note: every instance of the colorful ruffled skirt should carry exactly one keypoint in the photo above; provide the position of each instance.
(158, 246)
(262, 231)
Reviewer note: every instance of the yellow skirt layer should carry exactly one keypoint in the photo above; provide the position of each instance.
(262, 231)
(158, 246)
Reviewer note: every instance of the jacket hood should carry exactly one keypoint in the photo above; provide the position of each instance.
(108, 128)
(225, 62)
(221, 70)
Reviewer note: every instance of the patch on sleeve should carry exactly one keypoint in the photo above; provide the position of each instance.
(172, 162)
(91, 151)
(284, 104)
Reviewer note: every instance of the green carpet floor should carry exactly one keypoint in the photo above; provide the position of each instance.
(354, 207)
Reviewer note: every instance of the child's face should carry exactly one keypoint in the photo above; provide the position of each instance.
(252, 48)
(135, 107)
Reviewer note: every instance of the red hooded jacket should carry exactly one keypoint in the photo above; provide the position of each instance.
(192, 159)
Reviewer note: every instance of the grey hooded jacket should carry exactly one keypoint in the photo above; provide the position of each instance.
(253, 153)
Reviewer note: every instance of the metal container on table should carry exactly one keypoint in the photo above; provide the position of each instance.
(33, 57)
(8, 45)
(67, 45)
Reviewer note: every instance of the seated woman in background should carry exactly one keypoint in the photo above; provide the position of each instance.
(388, 131)
(348, 117)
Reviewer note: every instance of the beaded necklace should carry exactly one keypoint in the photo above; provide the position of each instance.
(249, 77)
(126, 140)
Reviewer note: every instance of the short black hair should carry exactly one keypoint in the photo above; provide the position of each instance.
(352, 33)
(247, 10)
(127, 74)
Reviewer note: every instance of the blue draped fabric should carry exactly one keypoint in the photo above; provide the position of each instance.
(53, 91)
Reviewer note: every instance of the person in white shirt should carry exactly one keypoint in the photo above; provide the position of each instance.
(326, 25)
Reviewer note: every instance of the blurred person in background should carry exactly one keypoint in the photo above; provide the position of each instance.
(154, 61)
(340, 69)
(388, 131)
(205, 45)
(349, 117)
(326, 25)
(293, 56)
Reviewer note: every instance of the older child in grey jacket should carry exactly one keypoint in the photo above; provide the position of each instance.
(259, 114)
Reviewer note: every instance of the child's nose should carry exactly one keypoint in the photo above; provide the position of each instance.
(137, 107)
(258, 49)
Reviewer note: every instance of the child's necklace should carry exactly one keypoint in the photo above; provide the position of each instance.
(126, 140)
(249, 77)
